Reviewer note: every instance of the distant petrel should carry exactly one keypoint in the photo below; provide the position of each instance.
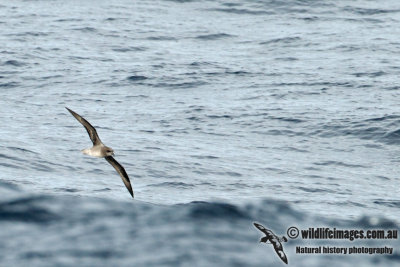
(101, 151)
(274, 240)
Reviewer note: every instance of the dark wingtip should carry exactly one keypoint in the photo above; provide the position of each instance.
(130, 191)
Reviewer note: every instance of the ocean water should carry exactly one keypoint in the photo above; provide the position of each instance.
(222, 113)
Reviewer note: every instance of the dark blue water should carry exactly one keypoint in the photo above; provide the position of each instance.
(222, 113)
(49, 230)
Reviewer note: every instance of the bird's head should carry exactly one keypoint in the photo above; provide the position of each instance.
(264, 239)
(109, 151)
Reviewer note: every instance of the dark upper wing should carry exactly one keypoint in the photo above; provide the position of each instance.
(89, 128)
(261, 228)
(121, 172)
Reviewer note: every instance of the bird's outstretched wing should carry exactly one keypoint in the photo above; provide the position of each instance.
(118, 167)
(274, 240)
(261, 228)
(89, 128)
(281, 254)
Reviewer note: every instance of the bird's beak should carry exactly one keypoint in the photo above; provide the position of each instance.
(113, 154)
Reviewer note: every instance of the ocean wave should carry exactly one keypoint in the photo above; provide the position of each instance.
(135, 78)
(214, 36)
(98, 229)
(242, 11)
(284, 40)
(179, 185)
(14, 63)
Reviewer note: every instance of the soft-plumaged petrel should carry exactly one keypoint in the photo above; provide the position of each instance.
(101, 151)
(274, 240)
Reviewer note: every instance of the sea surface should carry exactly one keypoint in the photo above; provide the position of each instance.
(223, 113)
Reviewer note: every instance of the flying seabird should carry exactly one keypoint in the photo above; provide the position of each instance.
(101, 151)
(274, 240)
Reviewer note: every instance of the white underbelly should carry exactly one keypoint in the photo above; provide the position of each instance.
(94, 152)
